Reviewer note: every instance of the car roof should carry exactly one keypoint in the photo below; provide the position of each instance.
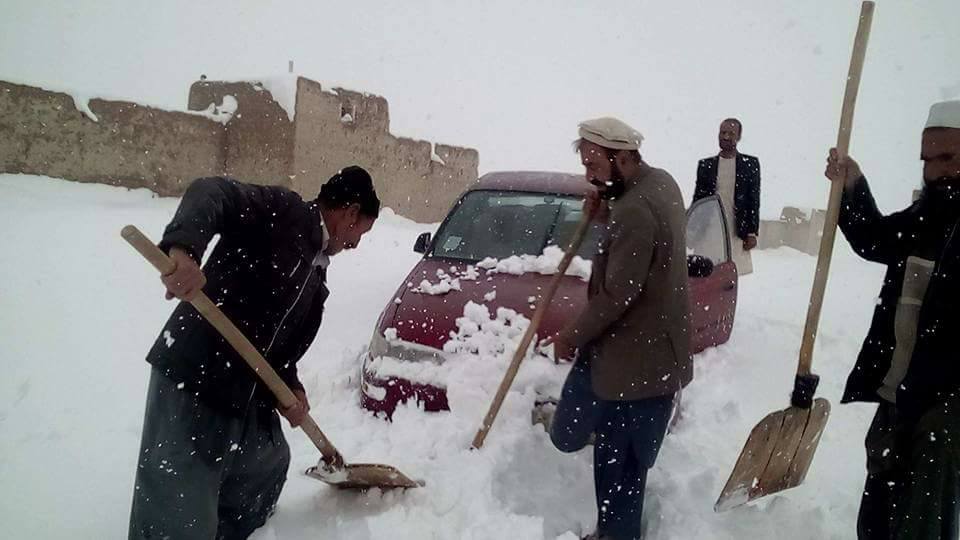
(533, 181)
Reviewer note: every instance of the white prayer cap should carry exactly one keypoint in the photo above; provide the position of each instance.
(945, 114)
(611, 133)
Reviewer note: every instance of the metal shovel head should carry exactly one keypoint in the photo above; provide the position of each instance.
(364, 476)
(777, 454)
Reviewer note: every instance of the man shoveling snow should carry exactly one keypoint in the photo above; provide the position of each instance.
(633, 334)
(213, 458)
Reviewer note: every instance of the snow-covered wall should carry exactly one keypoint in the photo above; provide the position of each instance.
(111, 142)
(259, 140)
(280, 131)
(293, 131)
(338, 127)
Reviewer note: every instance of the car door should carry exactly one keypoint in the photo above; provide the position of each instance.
(713, 298)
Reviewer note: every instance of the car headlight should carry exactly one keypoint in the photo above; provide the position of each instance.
(402, 350)
(378, 344)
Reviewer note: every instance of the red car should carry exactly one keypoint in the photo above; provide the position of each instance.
(521, 213)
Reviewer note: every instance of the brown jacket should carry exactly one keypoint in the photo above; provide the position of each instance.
(635, 325)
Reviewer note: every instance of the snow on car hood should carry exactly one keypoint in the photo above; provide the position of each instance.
(546, 263)
(477, 356)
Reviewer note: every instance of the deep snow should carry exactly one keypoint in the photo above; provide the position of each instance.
(80, 309)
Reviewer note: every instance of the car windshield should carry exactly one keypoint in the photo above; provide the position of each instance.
(501, 224)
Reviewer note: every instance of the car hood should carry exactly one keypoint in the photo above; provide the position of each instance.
(428, 319)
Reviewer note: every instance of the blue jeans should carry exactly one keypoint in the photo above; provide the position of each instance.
(628, 439)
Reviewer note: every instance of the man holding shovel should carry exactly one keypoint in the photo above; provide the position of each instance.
(908, 363)
(213, 458)
(633, 334)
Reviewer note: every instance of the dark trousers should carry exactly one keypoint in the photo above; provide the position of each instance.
(628, 438)
(203, 474)
(913, 476)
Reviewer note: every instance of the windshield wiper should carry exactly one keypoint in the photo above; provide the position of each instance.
(553, 227)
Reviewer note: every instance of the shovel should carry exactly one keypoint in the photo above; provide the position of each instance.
(780, 448)
(538, 314)
(332, 471)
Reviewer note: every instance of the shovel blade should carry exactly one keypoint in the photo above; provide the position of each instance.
(776, 456)
(364, 476)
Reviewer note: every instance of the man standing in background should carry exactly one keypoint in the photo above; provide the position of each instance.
(736, 178)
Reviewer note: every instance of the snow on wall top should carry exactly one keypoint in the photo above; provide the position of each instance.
(283, 88)
(221, 112)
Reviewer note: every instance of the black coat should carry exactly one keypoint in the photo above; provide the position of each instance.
(260, 274)
(934, 372)
(746, 195)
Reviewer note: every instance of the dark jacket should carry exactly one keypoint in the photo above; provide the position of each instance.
(636, 322)
(260, 274)
(934, 372)
(746, 195)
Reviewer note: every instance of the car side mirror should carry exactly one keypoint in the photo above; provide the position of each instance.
(423, 243)
(699, 266)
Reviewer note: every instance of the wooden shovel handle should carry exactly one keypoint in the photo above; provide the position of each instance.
(538, 314)
(235, 337)
(836, 190)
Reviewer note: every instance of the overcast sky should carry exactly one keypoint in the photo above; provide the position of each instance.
(512, 78)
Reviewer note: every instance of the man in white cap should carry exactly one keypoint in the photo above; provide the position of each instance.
(633, 334)
(909, 362)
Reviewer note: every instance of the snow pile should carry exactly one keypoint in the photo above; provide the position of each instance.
(283, 88)
(474, 354)
(477, 356)
(442, 287)
(469, 274)
(482, 348)
(221, 113)
(479, 333)
(448, 282)
(445, 285)
(546, 263)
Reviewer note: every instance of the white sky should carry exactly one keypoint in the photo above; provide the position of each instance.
(513, 78)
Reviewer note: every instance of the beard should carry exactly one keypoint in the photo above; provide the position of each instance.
(614, 187)
(945, 186)
(946, 179)
(941, 198)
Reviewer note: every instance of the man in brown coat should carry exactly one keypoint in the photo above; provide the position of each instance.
(633, 335)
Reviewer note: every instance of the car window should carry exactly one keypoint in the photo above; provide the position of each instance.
(501, 224)
(706, 230)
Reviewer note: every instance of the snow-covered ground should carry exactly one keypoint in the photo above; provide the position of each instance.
(79, 309)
